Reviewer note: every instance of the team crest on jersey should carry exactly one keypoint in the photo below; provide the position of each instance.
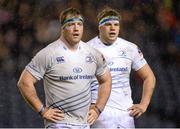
(60, 59)
(110, 63)
(122, 53)
(89, 59)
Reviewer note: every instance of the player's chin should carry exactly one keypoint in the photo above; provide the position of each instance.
(112, 39)
(76, 40)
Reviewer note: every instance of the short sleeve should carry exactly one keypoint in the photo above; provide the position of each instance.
(38, 65)
(138, 60)
(101, 64)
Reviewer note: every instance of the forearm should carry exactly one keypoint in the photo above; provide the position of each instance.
(30, 95)
(148, 88)
(104, 92)
(27, 88)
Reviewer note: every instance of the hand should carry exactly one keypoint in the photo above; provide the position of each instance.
(53, 115)
(137, 110)
(92, 115)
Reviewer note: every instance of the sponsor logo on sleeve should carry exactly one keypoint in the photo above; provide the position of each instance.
(104, 60)
(139, 51)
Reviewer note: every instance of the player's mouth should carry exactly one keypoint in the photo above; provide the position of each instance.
(76, 35)
(112, 34)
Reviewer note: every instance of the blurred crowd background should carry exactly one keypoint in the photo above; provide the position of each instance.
(26, 26)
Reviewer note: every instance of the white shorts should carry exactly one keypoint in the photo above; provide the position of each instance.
(114, 118)
(68, 126)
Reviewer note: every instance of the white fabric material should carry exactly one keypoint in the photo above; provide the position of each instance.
(68, 126)
(67, 76)
(114, 119)
(121, 57)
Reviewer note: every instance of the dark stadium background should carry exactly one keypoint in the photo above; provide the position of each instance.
(27, 26)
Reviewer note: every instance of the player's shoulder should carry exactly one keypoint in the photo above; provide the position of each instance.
(87, 46)
(93, 41)
(126, 43)
(54, 44)
(90, 49)
(49, 49)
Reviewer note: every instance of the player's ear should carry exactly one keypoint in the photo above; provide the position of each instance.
(99, 28)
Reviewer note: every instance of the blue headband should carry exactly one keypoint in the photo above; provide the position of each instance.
(71, 20)
(107, 19)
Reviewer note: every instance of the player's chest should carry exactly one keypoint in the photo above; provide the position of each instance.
(64, 64)
(117, 57)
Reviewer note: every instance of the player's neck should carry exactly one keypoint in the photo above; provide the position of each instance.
(70, 46)
(105, 42)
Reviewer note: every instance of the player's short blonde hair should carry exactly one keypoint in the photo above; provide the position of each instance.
(108, 12)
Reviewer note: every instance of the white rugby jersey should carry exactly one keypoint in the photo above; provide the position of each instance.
(121, 57)
(67, 76)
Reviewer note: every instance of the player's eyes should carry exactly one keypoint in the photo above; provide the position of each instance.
(80, 23)
(117, 24)
(69, 24)
(111, 24)
(72, 24)
(107, 24)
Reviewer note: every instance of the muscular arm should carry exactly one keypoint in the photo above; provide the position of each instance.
(27, 88)
(26, 85)
(149, 81)
(105, 84)
(148, 85)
